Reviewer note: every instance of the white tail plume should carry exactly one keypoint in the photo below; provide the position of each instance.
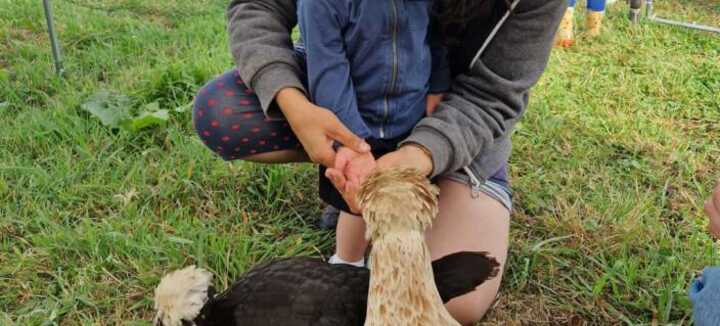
(181, 295)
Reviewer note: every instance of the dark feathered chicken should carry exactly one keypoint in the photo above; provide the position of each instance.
(297, 291)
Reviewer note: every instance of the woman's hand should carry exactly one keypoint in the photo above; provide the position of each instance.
(712, 208)
(316, 127)
(356, 167)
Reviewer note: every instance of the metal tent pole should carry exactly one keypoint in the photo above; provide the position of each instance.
(53, 38)
(652, 17)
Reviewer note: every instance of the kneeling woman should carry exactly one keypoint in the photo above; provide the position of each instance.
(260, 112)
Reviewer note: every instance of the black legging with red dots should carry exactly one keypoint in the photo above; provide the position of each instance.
(228, 117)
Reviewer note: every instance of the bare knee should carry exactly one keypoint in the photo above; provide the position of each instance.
(472, 307)
(470, 223)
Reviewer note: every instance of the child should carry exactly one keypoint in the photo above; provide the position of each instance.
(705, 291)
(593, 21)
(373, 64)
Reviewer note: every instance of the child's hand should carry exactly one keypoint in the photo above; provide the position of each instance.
(349, 172)
(355, 166)
(712, 207)
(347, 189)
(432, 102)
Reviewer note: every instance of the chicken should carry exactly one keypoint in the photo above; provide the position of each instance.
(296, 291)
(398, 206)
(304, 291)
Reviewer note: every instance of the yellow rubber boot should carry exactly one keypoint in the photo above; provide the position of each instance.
(593, 22)
(565, 37)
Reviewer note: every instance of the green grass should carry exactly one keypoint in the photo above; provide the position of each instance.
(620, 146)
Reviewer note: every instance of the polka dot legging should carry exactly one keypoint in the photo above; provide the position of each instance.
(228, 118)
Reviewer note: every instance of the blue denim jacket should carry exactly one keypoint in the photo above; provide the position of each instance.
(371, 61)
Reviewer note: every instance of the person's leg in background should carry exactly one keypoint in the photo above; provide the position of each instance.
(594, 16)
(705, 290)
(565, 36)
(705, 297)
(466, 223)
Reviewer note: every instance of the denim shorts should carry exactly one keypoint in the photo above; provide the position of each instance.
(498, 190)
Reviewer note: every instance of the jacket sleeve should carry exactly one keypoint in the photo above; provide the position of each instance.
(328, 69)
(261, 45)
(485, 103)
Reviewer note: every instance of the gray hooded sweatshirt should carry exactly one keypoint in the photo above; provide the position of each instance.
(469, 133)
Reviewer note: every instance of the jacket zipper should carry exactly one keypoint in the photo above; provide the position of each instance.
(492, 35)
(475, 184)
(393, 79)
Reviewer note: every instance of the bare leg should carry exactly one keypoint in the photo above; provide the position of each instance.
(470, 224)
(350, 238)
